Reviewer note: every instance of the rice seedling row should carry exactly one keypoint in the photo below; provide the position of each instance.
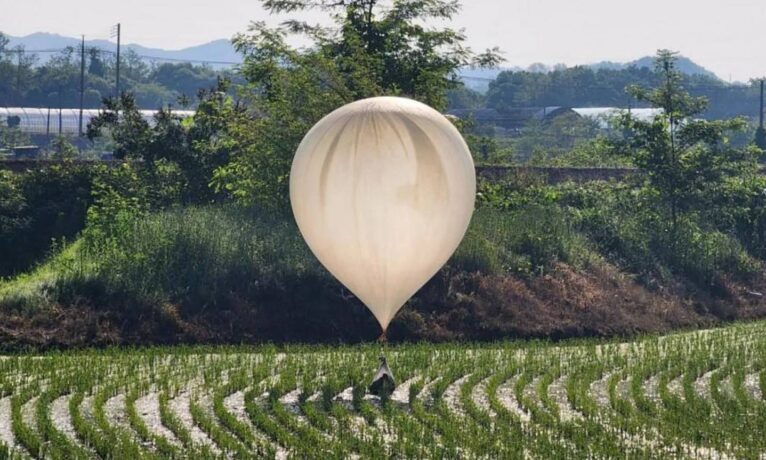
(687, 395)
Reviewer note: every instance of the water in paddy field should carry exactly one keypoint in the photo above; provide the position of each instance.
(684, 395)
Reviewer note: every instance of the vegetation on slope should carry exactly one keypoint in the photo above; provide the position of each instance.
(550, 261)
(25, 82)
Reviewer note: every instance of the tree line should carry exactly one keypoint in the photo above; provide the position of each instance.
(25, 81)
(587, 87)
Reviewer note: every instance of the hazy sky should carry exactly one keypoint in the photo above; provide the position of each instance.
(726, 36)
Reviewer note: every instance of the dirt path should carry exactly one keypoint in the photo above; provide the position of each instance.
(6, 433)
(401, 394)
(451, 396)
(62, 419)
(481, 399)
(179, 406)
(507, 398)
(753, 386)
(148, 409)
(558, 393)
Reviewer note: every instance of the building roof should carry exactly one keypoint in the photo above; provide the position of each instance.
(604, 114)
(34, 120)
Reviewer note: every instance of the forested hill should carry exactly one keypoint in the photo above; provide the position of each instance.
(47, 73)
(604, 86)
(52, 79)
(685, 66)
(479, 79)
(219, 51)
(222, 50)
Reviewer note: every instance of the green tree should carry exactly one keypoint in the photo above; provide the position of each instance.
(96, 65)
(133, 67)
(371, 50)
(688, 162)
(544, 140)
(16, 73)
(184, 78)
(131, 132)
(63, 149)
(582, 86)
(14, 221)
(11, 136)
(197, 146)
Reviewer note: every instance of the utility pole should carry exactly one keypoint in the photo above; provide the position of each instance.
(760, 114)
(82, 82)
(48, 126)
(760, 133)
(20, 50)
(117, 84)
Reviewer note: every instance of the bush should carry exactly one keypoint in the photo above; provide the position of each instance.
(196, 256)
(624, 227)
(223, 273)
(13, 220)
(702, 255)
(524, 242)
(37, 207)
(44, 207)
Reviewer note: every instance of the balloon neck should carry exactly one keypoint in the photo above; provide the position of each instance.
(383, 339)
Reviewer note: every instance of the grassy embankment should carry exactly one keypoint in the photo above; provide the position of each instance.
(566, 261)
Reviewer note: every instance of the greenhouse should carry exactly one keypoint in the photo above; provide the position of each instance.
(60, 121)
(603, 115)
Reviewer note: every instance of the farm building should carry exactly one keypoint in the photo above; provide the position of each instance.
(603, 114)
(39, 121)
(514, 118)
(518, 117)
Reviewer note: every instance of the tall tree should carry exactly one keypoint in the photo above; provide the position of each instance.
(370, 50)
(96, 65)
(688, 161)
(196, 145)
(760, 132)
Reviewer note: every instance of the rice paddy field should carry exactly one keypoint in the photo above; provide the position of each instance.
(687, 395)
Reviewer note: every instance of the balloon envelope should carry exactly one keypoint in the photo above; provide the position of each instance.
(383, 191)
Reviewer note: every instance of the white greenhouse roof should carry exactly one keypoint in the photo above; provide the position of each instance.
(44, 121)
(604, 114)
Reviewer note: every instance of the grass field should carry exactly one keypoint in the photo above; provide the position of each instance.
(689, 395)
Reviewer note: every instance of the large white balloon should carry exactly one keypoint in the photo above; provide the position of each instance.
(383, 191)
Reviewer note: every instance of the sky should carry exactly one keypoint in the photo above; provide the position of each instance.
(724, 36)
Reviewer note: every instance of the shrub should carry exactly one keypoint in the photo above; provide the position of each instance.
(195, 256)
(627, 231)
(37, 207)
(525, 241)
(701, 255)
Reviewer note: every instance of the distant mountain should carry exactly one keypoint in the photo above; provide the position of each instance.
(221, 52)
(479, 79)
(685, 65)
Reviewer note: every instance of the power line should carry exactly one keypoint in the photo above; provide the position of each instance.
(160, 58)
(722, 86)
(191, 61)
(117, 66)
(43, 51)
(112, 52)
